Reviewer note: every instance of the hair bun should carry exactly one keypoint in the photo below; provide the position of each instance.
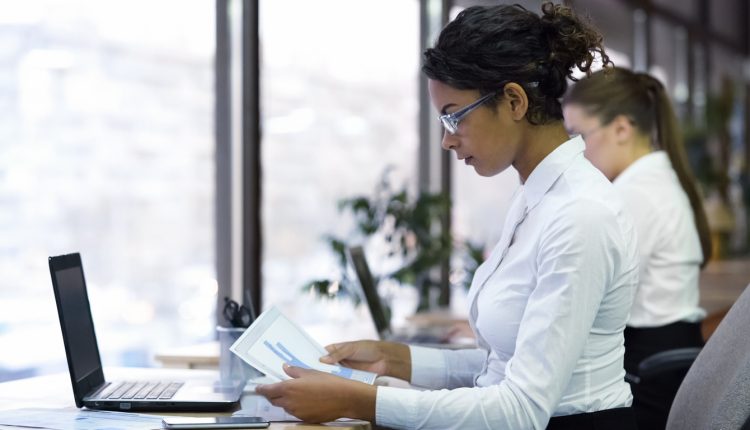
(572, 41)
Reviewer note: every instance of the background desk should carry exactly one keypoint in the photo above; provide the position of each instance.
(54, 391)
(200, 356)
(721, 283)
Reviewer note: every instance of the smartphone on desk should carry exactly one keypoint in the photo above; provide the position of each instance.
(214, 423)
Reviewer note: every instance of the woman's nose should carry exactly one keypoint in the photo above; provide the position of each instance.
(449, 141)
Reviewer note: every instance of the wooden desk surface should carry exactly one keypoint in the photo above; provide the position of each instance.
(54, 391)
(722, 282)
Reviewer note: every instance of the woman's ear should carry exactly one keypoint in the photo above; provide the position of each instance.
(519, 101)
(623, 128)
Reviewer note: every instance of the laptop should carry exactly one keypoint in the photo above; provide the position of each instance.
(90, 388)
(425, 336)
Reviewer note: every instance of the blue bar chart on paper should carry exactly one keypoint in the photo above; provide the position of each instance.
(283, 353)
(273, 340)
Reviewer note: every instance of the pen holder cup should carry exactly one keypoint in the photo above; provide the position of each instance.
(232, 369)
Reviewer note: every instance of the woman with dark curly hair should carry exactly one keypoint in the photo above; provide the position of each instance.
(550, 304)
(632, 136)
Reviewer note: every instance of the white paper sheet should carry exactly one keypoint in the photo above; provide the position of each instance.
(273, 340)
(66, 419)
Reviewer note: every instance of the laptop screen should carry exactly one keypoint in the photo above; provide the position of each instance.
(367, 282)
(84, 361)
(77, 326)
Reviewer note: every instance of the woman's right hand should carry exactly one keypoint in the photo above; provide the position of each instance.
(383, 358)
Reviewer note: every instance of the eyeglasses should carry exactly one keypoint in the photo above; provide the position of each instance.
(236, 314)
(450, 121)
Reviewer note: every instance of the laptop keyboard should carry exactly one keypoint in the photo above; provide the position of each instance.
(416, 338)
(426, 338)
(141, 390)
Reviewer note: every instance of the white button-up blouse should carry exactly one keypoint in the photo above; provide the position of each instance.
(549, 307)
(670, 249)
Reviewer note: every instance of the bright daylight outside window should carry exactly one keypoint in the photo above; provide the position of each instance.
(106, 148)
(339, 100)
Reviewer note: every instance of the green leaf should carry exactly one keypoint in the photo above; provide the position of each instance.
(412, 229)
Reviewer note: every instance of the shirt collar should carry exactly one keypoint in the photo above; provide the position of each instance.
(653, 160)
(550, 168)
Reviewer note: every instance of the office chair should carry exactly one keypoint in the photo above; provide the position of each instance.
(715, 393)
(663, 362)
(656, 383)
(679, 359)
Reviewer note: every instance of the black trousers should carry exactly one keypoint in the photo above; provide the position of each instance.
(609, 419)
(652, 399)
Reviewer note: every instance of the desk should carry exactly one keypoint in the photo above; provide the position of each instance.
(722, 282)
(200, 356)
(54, 391)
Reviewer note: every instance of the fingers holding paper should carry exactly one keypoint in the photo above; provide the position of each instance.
(383, 358)
(317, 397)
(363, 355)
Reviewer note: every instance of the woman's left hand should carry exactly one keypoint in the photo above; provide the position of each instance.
(318, 397)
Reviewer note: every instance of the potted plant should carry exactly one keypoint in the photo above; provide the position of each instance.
(412, 229)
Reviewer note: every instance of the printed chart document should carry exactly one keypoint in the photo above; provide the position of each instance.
(273, 340)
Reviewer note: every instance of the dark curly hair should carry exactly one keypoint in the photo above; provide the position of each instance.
(487, 46)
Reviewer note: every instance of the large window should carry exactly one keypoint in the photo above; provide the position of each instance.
(339, 103)
(106, 148)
